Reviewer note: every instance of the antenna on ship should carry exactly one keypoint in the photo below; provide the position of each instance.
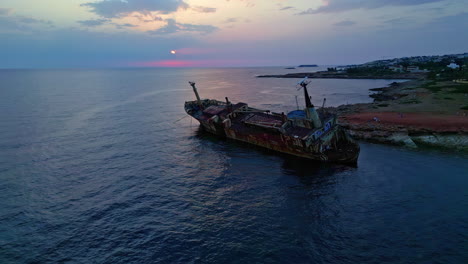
(308, 102)
(311, 113)
(304, 84)
(323, 106)
(196, 94)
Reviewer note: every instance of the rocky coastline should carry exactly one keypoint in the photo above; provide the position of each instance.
(343, 75)
(415, 113)
(410, 115)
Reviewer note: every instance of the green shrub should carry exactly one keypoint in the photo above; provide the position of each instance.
(411, 101)
(462, 88)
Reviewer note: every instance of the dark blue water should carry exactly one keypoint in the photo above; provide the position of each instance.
(94, 169)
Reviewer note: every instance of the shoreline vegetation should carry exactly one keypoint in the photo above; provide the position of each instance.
(430, 109)
(344, 75)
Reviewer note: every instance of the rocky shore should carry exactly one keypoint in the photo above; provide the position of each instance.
(409, 129)
(343, 75)
(412, 114)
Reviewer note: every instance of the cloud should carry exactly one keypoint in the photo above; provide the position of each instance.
(173, 27)
(30, 20)
(148, 18)
(286, 8)
(94, 22)
(202, 9)
(76, 48)
(5, 11)
(457, 22)
(100, 22)
(118, 8)
(333, 6)
(231, 20)
(10, 22)
(398, 21)
(123, 26)
(344, 23)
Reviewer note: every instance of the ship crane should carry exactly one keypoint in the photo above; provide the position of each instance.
(310, 111)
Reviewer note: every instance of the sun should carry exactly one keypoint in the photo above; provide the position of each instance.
(173, 52)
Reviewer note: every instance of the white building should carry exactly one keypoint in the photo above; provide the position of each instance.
(396, 68)
(453, 66)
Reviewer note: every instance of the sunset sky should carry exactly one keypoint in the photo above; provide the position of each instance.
(205, 33)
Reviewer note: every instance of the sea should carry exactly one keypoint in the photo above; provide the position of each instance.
(104, 166)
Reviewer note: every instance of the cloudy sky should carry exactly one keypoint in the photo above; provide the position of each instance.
(142, 33)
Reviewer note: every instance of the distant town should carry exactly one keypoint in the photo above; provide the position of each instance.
(415, 64)
(436, 68)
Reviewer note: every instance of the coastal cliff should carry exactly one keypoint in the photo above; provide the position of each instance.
(414, 113)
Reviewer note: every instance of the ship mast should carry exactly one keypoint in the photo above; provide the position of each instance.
(306, 95)
(196, 94)
(311, 113)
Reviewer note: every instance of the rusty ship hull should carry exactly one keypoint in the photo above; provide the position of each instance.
(289, 134)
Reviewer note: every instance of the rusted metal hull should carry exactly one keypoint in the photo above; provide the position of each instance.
(302, 133)
(343, 150)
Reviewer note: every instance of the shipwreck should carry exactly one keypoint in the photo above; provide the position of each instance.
(309, 133)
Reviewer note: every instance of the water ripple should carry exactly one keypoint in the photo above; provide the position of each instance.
(96, 171)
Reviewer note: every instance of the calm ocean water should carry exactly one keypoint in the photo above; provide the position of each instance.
(94, 169)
